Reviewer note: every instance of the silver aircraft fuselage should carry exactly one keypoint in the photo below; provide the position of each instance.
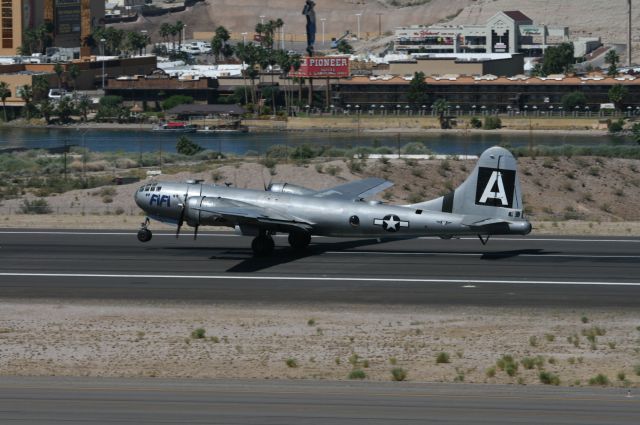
(328, 217)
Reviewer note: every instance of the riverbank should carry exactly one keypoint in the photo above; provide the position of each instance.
(587, 126)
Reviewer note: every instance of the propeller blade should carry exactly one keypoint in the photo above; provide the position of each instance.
(180, 220)
(195, 233)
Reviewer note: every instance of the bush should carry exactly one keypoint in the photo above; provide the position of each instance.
(187, 147)
(549, 378)
(442, 357)
(616, 126)
(599, 379)
(37, 206)
(198, 333)
(176, 100)
(398, 374)
(492, 123)
(475, 123)
(357, 374)
(531, 362)
(292, 363)
(508, 364)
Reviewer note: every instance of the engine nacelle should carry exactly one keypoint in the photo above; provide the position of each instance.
(290, 188)
(202, 210)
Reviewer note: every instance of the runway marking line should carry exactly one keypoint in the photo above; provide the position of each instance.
(475, 254)
(228, 391)
(319, 278)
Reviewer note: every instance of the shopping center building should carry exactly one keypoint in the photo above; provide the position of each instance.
(505, 32)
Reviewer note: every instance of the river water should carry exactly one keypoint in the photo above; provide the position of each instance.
(454, 143)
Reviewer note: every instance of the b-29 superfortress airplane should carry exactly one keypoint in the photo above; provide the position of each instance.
(489, 202)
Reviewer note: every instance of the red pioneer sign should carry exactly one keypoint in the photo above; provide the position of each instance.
(323, 67)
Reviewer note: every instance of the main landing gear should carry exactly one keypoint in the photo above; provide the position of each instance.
(299, 240)
(262, 245)
(144, 234)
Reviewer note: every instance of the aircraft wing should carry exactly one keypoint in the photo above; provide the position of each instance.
(359, 189)
(245, 213)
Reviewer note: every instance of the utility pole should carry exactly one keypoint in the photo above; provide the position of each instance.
(379, 24)
(629, 35)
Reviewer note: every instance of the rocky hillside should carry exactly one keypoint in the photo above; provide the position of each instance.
(584, 17)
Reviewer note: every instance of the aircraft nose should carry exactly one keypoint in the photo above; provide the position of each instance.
(139, 198)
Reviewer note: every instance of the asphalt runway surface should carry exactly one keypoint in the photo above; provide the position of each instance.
(219, 267)
(150, 401)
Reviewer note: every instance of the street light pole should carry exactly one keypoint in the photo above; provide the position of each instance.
(102, 41)
(379, 24)
(323, 19)
(184, 33)
(244, 38)
(358, 15)
(262, 19)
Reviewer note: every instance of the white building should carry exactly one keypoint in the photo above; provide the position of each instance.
(506, 32)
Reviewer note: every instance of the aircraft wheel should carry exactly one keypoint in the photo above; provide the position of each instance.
(299, 240)
(262, 246)
(144, 235)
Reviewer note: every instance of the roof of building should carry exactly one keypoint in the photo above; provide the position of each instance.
(453, 79)
(205, 109)
(517, 16)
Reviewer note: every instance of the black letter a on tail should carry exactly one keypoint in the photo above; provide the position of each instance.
(495, 187)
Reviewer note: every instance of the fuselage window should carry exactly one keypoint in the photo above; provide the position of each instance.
(418, 211)
(354, 220)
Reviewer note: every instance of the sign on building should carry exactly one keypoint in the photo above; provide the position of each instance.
(323, 67)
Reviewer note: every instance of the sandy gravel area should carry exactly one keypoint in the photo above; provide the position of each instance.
(249, 341)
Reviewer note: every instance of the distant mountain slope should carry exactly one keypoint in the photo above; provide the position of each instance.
(584, 17)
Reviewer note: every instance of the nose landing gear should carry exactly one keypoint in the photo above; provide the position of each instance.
(144, 234)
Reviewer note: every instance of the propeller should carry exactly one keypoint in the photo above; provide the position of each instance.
(195, 233)
(180, 219)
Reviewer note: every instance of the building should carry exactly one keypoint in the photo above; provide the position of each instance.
(72, 21)
(468, 94)
(502, 64)
(505, 32)
(158, 86)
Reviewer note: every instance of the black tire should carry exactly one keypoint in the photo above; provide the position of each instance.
(144, 235)
(262, 246)
(299, 240)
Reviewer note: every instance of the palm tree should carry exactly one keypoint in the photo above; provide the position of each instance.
(5, 92)
(441, 106)
(59, 70)
(26, 93)
(612, 58)
(74, 73)
(165, 31)
(179, 26)
(83, 106)
(40, 87)
(173, 31)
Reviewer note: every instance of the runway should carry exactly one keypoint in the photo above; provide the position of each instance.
(151, 401)
(219, 267)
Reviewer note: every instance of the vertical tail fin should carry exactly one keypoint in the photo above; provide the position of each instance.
(492, 190)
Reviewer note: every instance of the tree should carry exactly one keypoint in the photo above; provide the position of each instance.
(59, 70)
(165, 32)
(74, 73)
(219, 42)
(26, 93)
(178, 27)
(617, 94)
(83, 106)
(344, 47)
(187, 147)
(65, 109)
(418, 90)
(46, 109)
(250, 55)
(557, 59)
(176, 100)
(573, 99)
(635, 131)
(612, 58)
(5, 92)
(441, 107)
(40, 87)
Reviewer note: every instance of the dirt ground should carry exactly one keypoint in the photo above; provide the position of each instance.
(248, 341)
